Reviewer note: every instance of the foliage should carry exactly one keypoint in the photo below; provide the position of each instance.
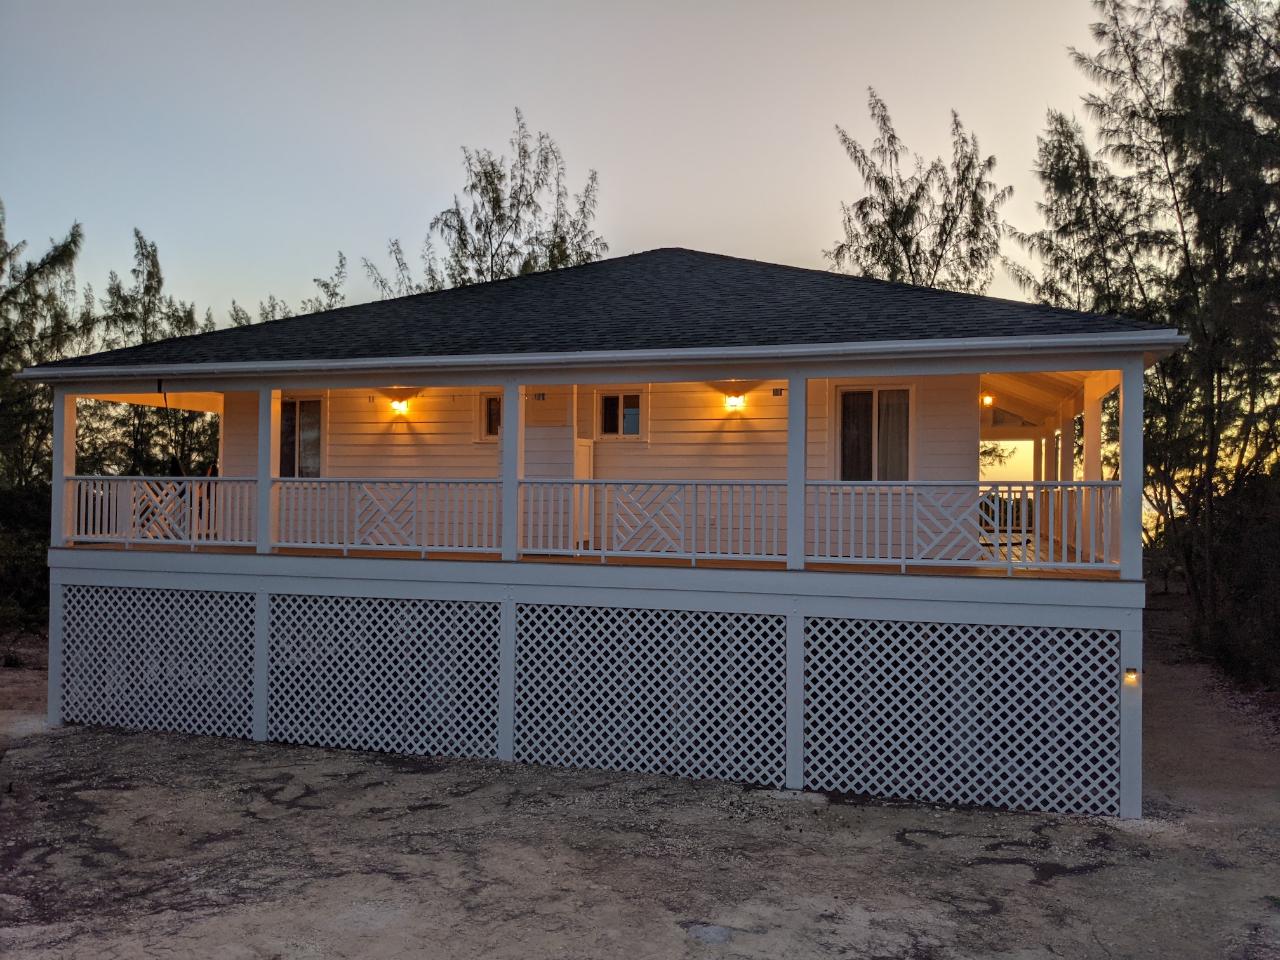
(38, 323)
(1176, 219)
(936, 224)
(515, 216)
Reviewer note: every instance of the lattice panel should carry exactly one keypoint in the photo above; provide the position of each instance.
(158, 659)
(1025, 717)
(690, 693)
(405, 676)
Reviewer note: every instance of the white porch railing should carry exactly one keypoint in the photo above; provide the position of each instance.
(186, 511)
(462, 516)
(1019, 526)
(741, 520)
(1040, 525)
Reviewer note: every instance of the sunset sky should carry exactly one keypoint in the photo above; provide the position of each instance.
(253, 140)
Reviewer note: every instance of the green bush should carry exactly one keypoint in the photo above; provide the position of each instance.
(24, 542)
(1244, 637)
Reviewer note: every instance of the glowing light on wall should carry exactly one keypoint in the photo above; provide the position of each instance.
(735, 402)
(400, 407)
(988, 400)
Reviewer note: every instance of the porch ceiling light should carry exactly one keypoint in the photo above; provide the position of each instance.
(735, 402)
(988, 400)
(400, 407)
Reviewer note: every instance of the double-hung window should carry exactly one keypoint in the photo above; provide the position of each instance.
(619, 415)
(875, 434)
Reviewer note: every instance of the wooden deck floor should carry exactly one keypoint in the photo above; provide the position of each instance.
(977, 570)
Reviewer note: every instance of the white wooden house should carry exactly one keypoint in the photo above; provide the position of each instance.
(667, 512)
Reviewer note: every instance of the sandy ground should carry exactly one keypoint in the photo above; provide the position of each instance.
(131, 845)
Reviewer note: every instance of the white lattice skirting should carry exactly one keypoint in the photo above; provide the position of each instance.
(1011, 716)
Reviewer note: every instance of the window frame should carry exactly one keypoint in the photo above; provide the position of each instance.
(837, 418)
(323, 400)
(621, 391)
(482, 421)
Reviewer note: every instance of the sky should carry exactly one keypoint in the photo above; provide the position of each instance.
(253, 140)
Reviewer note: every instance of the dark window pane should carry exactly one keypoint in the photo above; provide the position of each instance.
(631, 415)
(855, 435)
(309, 438)
(492, 416)
(609, 415)
(892, 441)
(288, 438)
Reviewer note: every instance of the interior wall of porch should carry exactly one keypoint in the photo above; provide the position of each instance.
(688, 433)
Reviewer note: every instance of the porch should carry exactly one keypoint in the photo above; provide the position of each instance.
(700, 473)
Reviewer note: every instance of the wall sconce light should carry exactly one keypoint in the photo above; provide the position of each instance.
(400, 407)
(735, 402)
(988, 400)
(1130, 676)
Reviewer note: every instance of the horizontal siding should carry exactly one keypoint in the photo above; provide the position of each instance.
(690, 435)
(239, 435)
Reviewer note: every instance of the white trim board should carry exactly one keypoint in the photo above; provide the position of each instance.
(1153, 342)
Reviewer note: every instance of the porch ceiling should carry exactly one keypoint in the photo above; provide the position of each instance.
(204, 402)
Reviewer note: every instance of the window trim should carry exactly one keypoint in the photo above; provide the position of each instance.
(482, 396)
(597, 413)
(836, 417)
(323, 397)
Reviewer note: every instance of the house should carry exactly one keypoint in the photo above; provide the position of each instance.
(671, 512)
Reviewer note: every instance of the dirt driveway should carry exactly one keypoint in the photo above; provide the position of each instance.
(130, 845)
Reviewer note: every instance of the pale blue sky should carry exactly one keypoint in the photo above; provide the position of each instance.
(252, 140)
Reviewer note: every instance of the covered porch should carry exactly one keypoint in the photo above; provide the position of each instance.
(797, 471)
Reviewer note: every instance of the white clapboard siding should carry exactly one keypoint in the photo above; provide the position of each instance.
(239, 435)
(689, 434)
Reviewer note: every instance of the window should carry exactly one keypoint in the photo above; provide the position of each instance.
(490, 416)
(620, 415)
(875, 434)
(300, 438)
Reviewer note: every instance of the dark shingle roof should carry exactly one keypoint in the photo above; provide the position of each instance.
(662, 299)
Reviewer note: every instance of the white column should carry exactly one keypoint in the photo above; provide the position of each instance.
(512, 467)
(797, 437)
(1067, 442)
(261, 664)
(268, 466)
(1037, 459)
(795, 700)
(1131, 470)
(61, 517)
(1131, 721)
(507, 679)
(1093, 429)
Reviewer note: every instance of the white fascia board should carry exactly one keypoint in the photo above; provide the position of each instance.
(1152, 343)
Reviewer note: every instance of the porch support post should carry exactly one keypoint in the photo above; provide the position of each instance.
(1131, 469)
(795, 700)
(797, 437)
(1067, 446)
(268, 466)
(61, 518)
(1092, 429)
(1131, 724)
(1037, 459)
(512, 467)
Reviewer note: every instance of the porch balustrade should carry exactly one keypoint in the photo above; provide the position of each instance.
(1015, 525)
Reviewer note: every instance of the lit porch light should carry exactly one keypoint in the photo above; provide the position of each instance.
(735, 402)
(988, 400)
(1130, 676)
(400, 407)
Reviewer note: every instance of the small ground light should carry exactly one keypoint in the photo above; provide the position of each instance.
(1131, 676)
(735, 402)
(400, 406)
